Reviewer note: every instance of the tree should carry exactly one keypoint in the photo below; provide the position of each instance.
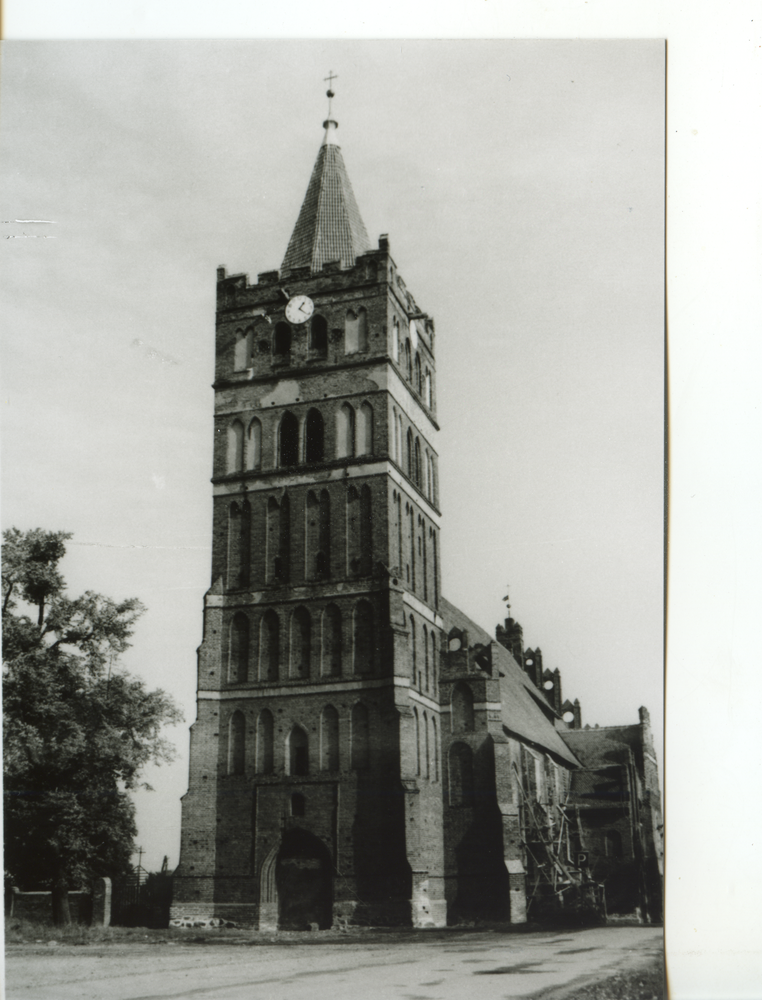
(78, 730)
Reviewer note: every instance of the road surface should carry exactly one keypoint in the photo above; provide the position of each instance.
(444, 965)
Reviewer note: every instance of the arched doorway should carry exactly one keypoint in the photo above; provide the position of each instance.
(303, 881)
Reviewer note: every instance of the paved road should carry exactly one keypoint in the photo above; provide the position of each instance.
(452, 966)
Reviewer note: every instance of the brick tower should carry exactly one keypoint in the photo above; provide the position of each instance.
(315, 791)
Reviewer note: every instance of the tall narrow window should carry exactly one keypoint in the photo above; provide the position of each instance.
(426, 759)
(238, 659)
(300, 643)
(435, 745)
(244, 343)
(399, 531)
(272, 540)
(418, 378)
(362, 329)
(427, 389)
(254, 445)
(329, 739)
(314, 437)
(424, 562)
(331, 642)
(244, 545)
(414, 651)
(323, 555)
(282, 340)
(461, 775)
(417, 727)
(395, 339)
(319, 336)
(365, 430)
(283, 569)
(462, 708)
(269, 646)
(410, 455)
(234, 550)
(312, 514)
(297, 754)
(366, 531)
(288, 441)
(393, 438)
(360, 737)
(265, 730)
(235, 447)
(351, 332)
(412, 548)
(364, 638)
(236, 743)
(345, 431)
(408, 362)
(425, 659)
(353, 532)
(436, 569)
(417, 465)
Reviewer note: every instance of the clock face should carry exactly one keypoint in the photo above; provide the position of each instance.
(299, 309)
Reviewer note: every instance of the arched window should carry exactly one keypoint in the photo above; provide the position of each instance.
(427, 389)
(345, 431)
(426, 760)
(329, 739)
(435, 745)
(353, 532)
(351, 332)
(418, 379)
(364, 638)
(362, 329)
(288, 440)
(254, 445)
(425, 659)
(414, 651)
(428, 476)
(298, 804)
(462, 708)
(314, 437)
(417, 466)
(265, 730)
(410, 455)
(244, 546)
(319, 336)
(300, 643)
(238, 659)
(360, 737)
(236, 743)
(613, 844)
(365, 430)
(297, 754)
(269, 646)
(282, 340)
(366, 531)
(461, 769)
(408, 362)
(278, 540)
(234, 551)
(393, 438)
(417, 724)
(244, 343)
(235, 447)
(318, 536)
(331, 642)
(395, 339)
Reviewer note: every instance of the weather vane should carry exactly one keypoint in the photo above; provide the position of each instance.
(507, 598)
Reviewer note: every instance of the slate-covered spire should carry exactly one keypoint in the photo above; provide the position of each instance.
(329, 226)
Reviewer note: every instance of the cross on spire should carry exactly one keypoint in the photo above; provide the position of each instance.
(329, 93)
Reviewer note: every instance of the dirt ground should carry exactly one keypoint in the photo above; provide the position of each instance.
(604, 963)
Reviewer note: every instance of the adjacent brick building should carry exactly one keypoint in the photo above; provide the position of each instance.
(363, 752)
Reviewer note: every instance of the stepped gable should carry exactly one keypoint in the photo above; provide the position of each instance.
(329, 227)
(524, 714)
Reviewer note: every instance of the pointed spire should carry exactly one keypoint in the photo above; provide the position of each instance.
(329, 226)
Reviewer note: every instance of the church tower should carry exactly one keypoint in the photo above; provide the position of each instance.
(315, 793)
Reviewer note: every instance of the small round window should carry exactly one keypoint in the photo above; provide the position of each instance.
(529, 663)
(568, 716)
(454, 644)
(548, 685)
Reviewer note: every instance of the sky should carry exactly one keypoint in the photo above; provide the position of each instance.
(522, 187)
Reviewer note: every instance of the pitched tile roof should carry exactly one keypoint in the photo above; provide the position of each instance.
(603, 746)
(329, 226)
(523, 711)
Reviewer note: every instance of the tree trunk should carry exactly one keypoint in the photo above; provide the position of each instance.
(60, 898)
